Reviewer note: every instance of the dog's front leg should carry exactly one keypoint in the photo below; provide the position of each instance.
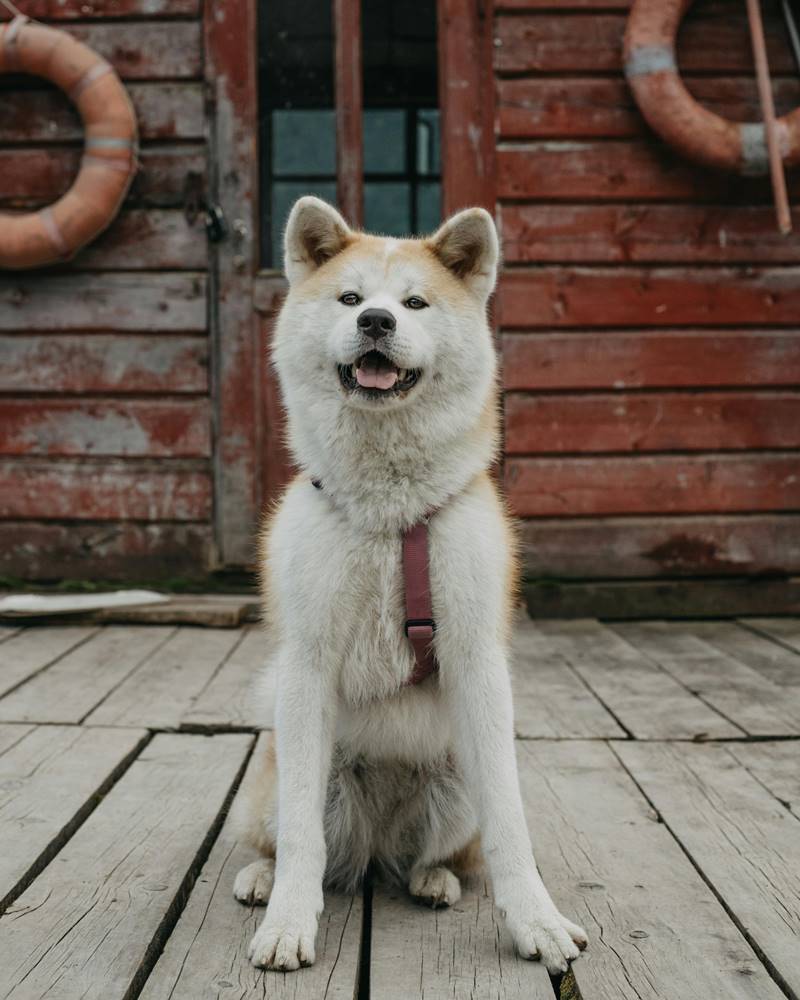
(478, 691)
(304, 723)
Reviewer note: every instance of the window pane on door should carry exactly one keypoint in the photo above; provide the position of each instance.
(297, 136)
(401, 117)
(429, 206)
(384, 141)
(402, 194)
(387, 208)
(303, 143)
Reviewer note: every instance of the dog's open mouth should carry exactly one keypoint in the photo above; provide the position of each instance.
(375, 375)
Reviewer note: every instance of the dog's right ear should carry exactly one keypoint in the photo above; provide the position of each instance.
(315, 232)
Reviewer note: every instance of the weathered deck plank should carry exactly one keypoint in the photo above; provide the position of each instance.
(550, 698)
(227, 700)
(88, 926)
(742, 695)
(775, 662)
(463, 951)
(11, 735)
(31, 650)
(656, 931)
(70, 689)
(50, 779)
(162, 689)
(776, 766)
(647, 701)
(206, 955)
(785, 630)
(743, 841)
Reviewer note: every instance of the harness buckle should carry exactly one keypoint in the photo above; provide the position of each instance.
(419, 623)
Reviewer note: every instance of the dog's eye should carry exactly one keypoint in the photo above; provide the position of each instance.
(350, 299)
(415, 302)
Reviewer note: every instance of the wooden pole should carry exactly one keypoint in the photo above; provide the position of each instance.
(349, 110)
(768, 114)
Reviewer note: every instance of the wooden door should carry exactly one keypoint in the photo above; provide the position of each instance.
(251, 465)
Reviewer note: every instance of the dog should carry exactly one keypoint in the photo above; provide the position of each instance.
(389, 378)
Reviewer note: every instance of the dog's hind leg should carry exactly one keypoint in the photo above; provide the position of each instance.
(439, 884)
(435, 886)
(450, 847)
(253, 884)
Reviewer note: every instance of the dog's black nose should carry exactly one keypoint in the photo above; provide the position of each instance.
(376, 323)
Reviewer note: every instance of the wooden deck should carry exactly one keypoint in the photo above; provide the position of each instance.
(660, 771)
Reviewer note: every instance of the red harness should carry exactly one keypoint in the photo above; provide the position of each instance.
(419, 625)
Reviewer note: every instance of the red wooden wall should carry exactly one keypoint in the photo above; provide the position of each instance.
(649, 309)
(105, 429)
(648, 313)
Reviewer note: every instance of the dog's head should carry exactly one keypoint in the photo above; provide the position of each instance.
(382, 323)
(382, 346)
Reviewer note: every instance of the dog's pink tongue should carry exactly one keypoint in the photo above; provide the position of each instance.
(376, 375)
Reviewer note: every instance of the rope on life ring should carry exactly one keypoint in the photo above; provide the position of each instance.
(109, 162)
(670, 110)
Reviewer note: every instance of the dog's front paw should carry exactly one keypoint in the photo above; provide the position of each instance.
(539, 930)
(549, 937)
(284, 941)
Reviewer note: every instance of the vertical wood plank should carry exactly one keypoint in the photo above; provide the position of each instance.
(742, 695)
(783, 630)
(647, 701)
(72, 687)
(88, 926)
(550, 698)
(466, 97)
(227, 699)
(49, 780)
(461, 951)
(349, 105)
(206, 955)
(655, 928)
(775, 662)
(775, 765)
(164, 685)
(33, 649)
(230, 69)
(743, 841)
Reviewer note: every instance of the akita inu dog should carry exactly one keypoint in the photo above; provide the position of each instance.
(388, 374)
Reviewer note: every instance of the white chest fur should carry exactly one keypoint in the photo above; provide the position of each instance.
(343, 591)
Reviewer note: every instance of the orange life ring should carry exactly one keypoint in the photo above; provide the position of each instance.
(669, 108)
(110, 153)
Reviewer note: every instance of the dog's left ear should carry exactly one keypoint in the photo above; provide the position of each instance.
(467, 245)
(315, 232)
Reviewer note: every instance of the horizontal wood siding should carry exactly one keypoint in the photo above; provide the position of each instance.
(105, 413)
(648, 307)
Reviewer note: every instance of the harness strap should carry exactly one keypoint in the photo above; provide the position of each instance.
(419, 625)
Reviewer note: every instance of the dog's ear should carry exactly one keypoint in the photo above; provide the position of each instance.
(467, 245)
(315, 232)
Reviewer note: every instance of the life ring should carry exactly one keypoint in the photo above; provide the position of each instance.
(670, 110)
(110, 154)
